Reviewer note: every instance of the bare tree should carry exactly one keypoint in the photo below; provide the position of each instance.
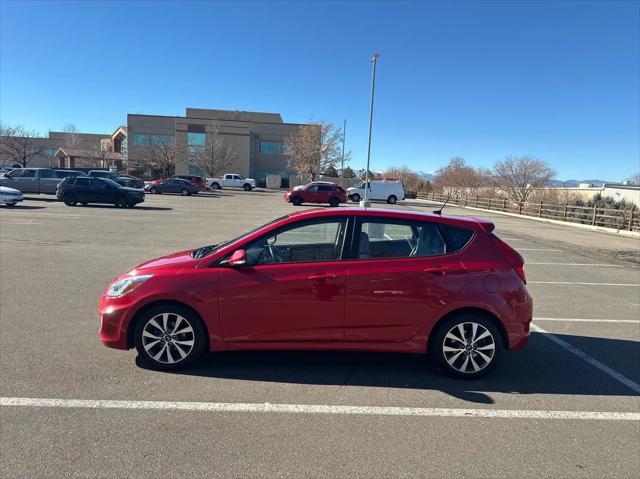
(72, 138)
(314, 148)
(458, 176)
(19, 145)
(518, 177)
(216, 156)
(163, 153)
(412, 181)
(634, 179)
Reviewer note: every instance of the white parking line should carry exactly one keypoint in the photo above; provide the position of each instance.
(584, 284)
(539, 249)
(580, 320)
(317, 409)
(595, 265)
(634, 386)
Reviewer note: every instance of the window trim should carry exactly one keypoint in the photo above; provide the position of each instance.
(355, 246)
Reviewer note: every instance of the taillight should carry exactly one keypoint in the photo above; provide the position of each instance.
(514, 258)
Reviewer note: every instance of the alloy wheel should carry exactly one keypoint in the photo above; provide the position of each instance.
(469, 347)
(168, 338)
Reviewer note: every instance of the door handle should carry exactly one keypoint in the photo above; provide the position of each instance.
(437, 270)
(321, 277)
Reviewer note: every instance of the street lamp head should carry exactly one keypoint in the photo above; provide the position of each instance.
(375, 57)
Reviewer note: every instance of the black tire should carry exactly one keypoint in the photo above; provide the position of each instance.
(184, 192)
(296, 200)
(188, 319)
(153, 190)
(246, 187)
(215, 186)
(70, 199)
(453, 366)
(333, 202)
(392, 199)
(355, 197)
(10, 205)
(119, 201)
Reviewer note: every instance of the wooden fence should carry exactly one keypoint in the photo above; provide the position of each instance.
(628, 219)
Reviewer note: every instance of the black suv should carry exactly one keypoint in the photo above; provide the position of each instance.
(124, 180)
(83, 189)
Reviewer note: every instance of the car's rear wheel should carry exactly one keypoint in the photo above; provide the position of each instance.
(120, 201)
(467, 346)
(334, 202)
(184, 192)
(296, 200)
(247, 187)
(215, 186)
(355, 197)
(70, 199)
(392, 199)
(169, 337)
(153, 190)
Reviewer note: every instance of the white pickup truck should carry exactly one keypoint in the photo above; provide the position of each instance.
(231, 180)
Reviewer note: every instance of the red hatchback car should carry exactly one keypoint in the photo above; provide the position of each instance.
(347, 279)
(317, 192)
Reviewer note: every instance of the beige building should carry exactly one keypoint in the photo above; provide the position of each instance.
(256, 138)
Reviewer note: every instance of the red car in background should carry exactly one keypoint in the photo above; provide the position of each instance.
(197, 181)
(330, 279)
(317, 192)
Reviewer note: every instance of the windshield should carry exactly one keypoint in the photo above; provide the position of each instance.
(360, 185)
(207, 250)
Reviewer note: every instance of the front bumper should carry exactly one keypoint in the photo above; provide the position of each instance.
(10, 199)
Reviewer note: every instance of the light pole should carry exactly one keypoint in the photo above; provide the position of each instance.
(344, 134)
(365, 201)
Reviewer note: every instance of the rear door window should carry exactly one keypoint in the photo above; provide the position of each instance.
(383, 238)
(455, 237)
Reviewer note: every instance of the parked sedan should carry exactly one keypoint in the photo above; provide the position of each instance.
(172, 185)
(347, 279)
(124, 180)
(317, 192)
(84, 190)
(10, 196)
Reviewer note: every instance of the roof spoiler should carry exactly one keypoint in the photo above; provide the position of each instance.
(486, 225)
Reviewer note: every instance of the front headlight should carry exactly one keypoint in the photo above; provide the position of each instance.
(126, 285)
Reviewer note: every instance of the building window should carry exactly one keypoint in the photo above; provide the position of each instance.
(195, 142)
(160, 140)
(140, 140)
(271, 148)
(48, 152)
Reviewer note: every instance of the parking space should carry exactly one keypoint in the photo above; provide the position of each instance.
(55, 261)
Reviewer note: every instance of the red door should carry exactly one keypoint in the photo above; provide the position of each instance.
(283, 302)
(400, 281)
(391, 299)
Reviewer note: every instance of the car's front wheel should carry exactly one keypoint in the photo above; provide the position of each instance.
(355, 197)
(296, 200)
(247, 187)
(119, 201)
(333, 202)
(169, 337)
(153, 190)
(467, 346)
(184, 192)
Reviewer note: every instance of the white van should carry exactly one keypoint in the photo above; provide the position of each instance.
(382, 190)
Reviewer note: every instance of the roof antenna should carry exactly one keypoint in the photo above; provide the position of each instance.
(439, 212)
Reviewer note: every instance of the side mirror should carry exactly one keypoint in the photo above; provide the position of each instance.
(238, 258)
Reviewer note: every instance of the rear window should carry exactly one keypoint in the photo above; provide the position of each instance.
(455, 238)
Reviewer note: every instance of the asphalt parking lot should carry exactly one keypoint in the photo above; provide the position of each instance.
(566, 406)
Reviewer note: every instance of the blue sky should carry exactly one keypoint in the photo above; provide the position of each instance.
(480, 80)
